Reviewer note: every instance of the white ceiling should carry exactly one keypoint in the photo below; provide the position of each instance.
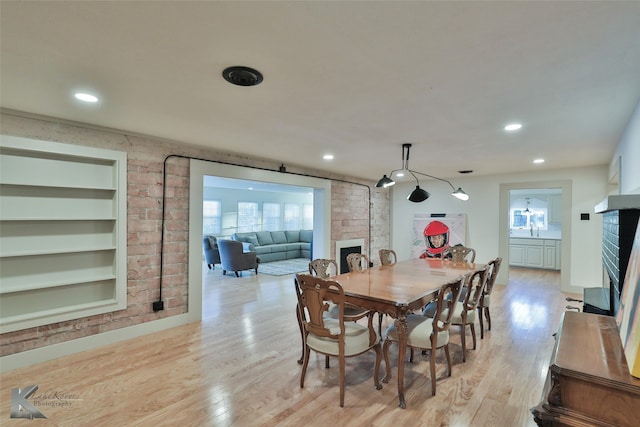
(356, 79)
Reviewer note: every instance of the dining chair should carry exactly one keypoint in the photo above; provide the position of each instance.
(388, 256)
(427, 333)
(333, 337)
(357, 262)
(493, 267)
(326, 268)
(323, 267)
(464, 313)
(460, 253)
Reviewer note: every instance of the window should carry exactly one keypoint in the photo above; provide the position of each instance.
(292, 218)
(307, 217)
(211, 217)
(535, 218)
(271, 216)
(248, 217)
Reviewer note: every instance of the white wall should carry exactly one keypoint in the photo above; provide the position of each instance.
(629, 152)
(587, 188)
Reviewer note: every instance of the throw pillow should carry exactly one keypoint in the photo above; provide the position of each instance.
(253, 239)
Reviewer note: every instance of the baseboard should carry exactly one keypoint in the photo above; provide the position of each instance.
(54, 351)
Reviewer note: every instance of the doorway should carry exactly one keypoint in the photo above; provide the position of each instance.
(199, 169)
(556, 228)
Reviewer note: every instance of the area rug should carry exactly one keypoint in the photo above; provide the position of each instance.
(287, 266)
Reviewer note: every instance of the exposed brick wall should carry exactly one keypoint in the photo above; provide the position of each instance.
(349, 208)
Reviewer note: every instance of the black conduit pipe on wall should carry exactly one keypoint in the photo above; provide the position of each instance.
(159, 304)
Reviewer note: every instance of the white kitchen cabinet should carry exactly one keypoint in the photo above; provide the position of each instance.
(534, 253)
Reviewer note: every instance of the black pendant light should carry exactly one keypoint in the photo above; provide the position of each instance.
(418, 195)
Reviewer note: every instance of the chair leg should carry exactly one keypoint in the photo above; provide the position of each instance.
(486, 312)
(480, 317)
(298, 316)
(473, 334)
(385, 352)
(380, 324)
(448, 356)
(326, 362)
(342, 369)
(432, 362)
(209, 265)
(237, 275)
(224, 272)
(304, 365)
(463, 339)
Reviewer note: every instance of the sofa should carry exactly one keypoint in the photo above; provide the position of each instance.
(211, 251)
(277, 245)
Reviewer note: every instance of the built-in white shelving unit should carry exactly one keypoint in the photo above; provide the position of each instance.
(62, 232)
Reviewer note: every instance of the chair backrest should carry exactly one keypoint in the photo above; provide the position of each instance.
(229, 247)
(323, 268)
(494, 267)
(357, 262)
(388, 256)
(313, 292)
(447, 297)
(461, 253)
(476, 283)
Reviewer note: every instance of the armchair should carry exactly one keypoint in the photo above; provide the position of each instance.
(211, 252)
(234, 259)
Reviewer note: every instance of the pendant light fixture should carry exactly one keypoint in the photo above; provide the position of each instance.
(418, 195)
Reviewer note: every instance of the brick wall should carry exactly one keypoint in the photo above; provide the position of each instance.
(350, 210)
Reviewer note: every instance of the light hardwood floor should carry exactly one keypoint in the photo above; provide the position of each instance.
(238, 368)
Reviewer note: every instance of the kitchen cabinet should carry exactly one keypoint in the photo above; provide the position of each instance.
(535, 253)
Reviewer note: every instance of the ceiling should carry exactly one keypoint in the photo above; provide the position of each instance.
(352, 78)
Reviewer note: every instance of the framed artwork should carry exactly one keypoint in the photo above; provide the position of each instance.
(434, 234)
(628, 317)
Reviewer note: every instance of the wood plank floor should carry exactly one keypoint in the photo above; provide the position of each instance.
(238, 368)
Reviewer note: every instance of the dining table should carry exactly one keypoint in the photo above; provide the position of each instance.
(400, 289)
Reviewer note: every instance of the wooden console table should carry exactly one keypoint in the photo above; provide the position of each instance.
(588, 383)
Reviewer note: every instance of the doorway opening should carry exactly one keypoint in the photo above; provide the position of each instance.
(535, 227)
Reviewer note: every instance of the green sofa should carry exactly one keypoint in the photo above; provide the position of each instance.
(277, 245)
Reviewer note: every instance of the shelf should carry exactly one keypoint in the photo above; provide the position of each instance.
(76, 187)
(53, 252)
(62, 232)
(5, 290)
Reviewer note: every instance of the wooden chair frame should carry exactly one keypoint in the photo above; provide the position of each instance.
(313, 294)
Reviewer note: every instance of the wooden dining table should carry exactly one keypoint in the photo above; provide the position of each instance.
(400, 289)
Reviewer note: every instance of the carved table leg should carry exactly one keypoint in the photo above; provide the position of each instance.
(401, 327)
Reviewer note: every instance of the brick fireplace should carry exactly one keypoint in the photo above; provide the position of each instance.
(620, 218)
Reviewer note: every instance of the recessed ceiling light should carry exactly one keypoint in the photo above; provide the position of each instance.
(511, 127)
(86, 97)
(538, 161)
(328, 157)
